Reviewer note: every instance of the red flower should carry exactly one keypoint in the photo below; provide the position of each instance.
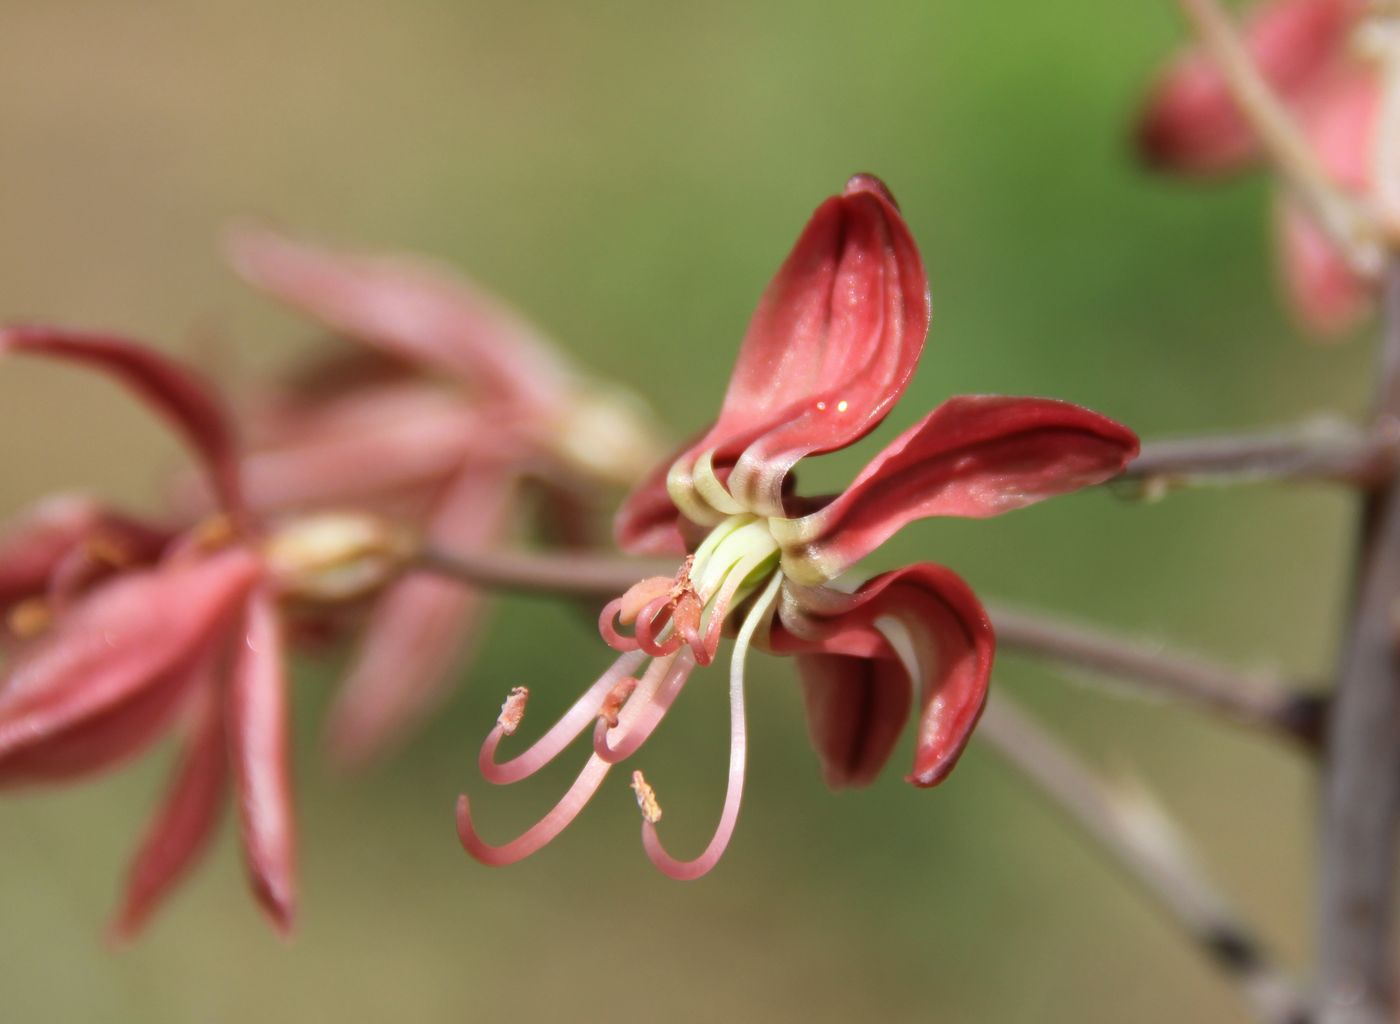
(832, 346)
(185, 629)
(1192, 125)
(455, 407)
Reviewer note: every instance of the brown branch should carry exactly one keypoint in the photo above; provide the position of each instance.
(1324, 449)
(1361, 773)
(570, 574)
(1258, 700)
(1136, 834)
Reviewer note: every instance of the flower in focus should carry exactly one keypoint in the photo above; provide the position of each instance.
(829, 351)
(1191, 125)
(452, 409)
(123, 631)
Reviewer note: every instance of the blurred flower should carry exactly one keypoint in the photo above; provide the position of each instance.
(1192, 125)
(454, 405)
(133, 627)
(830, 349)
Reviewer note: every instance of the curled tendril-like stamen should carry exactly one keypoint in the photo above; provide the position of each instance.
(560, 735)
(652, 623)
(652, 704)
(738, 752)
(544, 831)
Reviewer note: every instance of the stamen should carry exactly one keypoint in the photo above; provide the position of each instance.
(560, 735)
(652, 705)
(512, 711)
(560, 816)
(646, 799)
(738, 751)
(614, 701)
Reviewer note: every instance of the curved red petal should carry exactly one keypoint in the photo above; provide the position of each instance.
(1191, 123)
(411, 308)
(830, 349)
(259, 737)
(856, 709)
(973, 456)
(186, 820)
(96, 687)
(946, 644)
(648, 522)
(419, 627)
(188, 402)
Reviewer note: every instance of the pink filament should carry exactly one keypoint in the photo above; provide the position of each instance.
(658, 696)
(560, 735)
(543, 831)
(686, 870)
(652, 620)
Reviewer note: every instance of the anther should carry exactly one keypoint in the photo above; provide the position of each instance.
(109, 550)
(616, 698)
(30, 617)
(646, 798)
(513, 710)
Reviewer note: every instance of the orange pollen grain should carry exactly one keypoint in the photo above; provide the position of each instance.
(513, 710)
(616, 698)
(646, 798)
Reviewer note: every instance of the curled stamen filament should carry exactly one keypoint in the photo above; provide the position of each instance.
(653, 701)
(543, 831)
(738, 753)
(560, 735)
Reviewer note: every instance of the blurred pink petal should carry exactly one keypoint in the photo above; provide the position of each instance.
(95, 688)
(187, 818)
(420, 625)
(413, 309)
(259, 736)
(187, 402)
(1324, 292)
(1191, 123)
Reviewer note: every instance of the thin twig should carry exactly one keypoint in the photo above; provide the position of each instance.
(570, 574)
(1258, 700)
(1137, 835)
(1361, 773)
(1340, 217)
(1324, 449)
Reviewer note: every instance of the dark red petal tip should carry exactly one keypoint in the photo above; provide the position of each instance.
(870, 183)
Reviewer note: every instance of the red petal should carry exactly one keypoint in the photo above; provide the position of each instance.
(259, 737)
(1191, 123)
(856, 709)
(410, 308)
(973, 456)
(419, 627)
(186, 820)
(182, 398)
(96, 688)
(830, 349)
(951, 642)
(648, 522)
(1325, 294)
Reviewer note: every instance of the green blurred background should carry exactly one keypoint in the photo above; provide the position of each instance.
(631, 174)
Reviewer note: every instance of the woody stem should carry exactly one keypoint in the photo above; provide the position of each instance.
(1136, 834)
(1324, 449)
(1258, 700)
(1361, 771)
